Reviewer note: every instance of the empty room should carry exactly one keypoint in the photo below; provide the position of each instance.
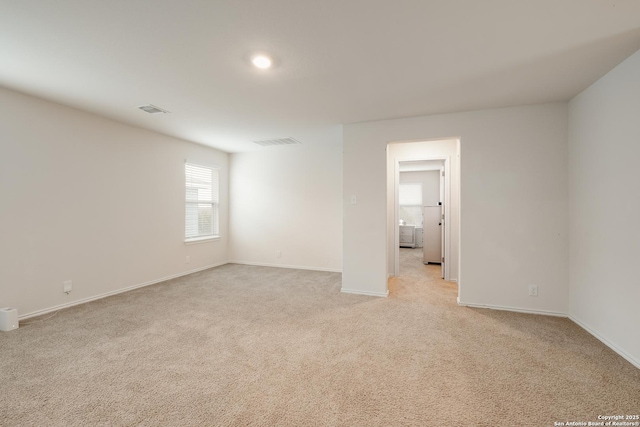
(319, 213)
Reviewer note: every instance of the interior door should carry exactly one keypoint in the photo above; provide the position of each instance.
(443, 207)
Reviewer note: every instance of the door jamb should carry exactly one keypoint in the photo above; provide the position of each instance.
(447, 214)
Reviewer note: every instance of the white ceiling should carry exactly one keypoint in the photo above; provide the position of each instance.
(338, 61)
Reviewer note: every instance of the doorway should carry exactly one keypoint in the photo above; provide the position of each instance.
(421, 209)
(441, 156)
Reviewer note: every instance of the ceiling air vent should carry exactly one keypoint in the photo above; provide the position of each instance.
(152, 109)
(279, 141)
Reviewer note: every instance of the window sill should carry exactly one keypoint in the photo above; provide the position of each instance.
(197, 240)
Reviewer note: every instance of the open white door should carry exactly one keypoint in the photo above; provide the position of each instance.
(431, 242)
(442, 204)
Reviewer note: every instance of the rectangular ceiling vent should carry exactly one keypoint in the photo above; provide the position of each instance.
(279, 141)
(152, 109)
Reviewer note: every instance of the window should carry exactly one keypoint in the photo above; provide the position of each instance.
(410, 201)
(201, 213)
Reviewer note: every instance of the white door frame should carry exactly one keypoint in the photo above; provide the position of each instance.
(447, 212)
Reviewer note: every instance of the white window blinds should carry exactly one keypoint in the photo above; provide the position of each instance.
(410, 201)
(202, 197)
(410, 195)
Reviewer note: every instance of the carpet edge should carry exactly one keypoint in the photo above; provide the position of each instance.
(116, 292)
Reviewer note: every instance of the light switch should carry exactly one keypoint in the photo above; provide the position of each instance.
(354, 200)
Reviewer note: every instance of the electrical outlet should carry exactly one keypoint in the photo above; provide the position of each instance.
(533, 290)
(278, 254)
(188, 259)
(67, 286)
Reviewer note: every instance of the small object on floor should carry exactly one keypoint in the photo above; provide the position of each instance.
(8, 319)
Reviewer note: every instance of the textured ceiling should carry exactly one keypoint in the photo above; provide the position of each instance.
(337, 62)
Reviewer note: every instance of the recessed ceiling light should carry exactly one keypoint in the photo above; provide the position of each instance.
(261, 61)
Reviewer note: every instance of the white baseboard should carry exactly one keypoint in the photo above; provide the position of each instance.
(612, 346)
(293, 267)
(606, 342)
(119, 291)
(371, 294)
(514, 309)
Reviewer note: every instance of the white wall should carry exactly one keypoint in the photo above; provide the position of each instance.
(430, 181)
(513, 212)
(87, 199)
(604, 179)
(288, 199)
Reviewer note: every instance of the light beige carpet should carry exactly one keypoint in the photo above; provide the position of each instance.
(257, 346)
